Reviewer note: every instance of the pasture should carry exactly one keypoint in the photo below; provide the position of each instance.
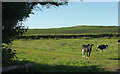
(60, 49)
(65, 55)
(75, 30)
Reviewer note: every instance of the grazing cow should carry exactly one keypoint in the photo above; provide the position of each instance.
(101, 47)
(86, 49)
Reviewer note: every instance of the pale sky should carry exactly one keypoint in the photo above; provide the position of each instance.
(75, 14)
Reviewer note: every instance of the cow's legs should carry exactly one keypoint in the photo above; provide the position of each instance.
(83, 53)
(101, 50)
(87, 55)
(106, 49)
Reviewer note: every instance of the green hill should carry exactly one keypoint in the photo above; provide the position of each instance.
(75, 30)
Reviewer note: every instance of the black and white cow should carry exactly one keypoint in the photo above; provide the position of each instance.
(86, 49)
(101, 47)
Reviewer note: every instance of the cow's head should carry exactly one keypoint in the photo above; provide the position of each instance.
(106, 45)
(91, 44)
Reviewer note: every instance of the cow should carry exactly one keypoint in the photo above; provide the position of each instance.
(101, 47)
(86, 49)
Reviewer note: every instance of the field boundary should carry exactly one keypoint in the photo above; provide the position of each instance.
(60, 36)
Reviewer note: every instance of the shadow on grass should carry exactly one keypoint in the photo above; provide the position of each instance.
(43, 68)
(114, 58)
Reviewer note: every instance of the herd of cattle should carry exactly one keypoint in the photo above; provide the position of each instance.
(87, 49)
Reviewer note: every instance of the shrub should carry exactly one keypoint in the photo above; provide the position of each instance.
(7, 55)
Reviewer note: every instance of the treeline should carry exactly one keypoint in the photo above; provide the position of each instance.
(66, 36)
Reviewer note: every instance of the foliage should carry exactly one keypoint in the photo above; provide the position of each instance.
(7, 55)
(15, 12)
(67, 36)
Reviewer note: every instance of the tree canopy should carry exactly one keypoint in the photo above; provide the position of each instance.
(15, 12)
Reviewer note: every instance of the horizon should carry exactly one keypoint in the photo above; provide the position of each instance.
(75, 26)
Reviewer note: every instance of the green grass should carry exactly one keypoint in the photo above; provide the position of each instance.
(75, 30)
(64, 55)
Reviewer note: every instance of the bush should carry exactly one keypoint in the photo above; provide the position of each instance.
(8, 55)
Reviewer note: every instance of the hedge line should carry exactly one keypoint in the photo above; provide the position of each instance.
(66, 36)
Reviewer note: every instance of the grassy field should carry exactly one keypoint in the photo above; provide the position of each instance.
(57, 50)
(64, 55)
(75, 30)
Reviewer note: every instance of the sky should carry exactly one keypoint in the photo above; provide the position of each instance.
(75, 14)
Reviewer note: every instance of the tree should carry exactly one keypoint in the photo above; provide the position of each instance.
(12, 14)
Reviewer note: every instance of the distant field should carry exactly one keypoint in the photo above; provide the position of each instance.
(74, 30)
